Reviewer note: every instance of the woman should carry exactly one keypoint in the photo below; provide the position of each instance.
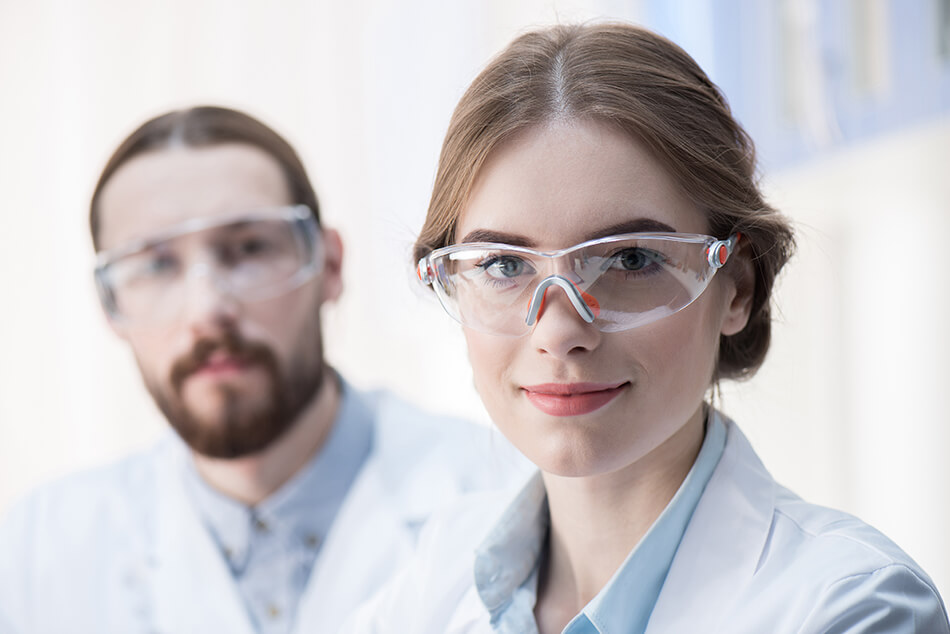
(597, 230)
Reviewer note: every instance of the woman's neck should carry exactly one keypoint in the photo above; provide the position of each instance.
(597, 520)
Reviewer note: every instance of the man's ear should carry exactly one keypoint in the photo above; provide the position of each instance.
(332, 275)
(740, 272)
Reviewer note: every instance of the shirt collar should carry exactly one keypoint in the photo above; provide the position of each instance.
(305, 505)
(626, 602)
(511, 551)
(506, 562)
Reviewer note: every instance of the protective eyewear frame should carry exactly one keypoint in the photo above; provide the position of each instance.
(299, 216)
(431, 271)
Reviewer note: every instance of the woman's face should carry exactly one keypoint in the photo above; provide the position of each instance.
(574, 400)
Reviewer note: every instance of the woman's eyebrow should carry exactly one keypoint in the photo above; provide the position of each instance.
(486, 235)
(640, 225)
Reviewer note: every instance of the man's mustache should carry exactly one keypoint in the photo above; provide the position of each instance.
(231, 344)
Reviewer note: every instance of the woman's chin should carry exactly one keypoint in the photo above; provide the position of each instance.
(573, 455)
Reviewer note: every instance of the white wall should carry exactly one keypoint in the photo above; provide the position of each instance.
(850, 409)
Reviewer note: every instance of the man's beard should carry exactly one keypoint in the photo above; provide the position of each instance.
(240, 429)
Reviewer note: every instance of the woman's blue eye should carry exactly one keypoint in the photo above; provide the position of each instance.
(504, 266)
(634, 259)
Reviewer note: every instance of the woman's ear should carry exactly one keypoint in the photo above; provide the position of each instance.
(741, 284)
(332, 273)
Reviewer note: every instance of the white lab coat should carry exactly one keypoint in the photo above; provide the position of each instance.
(122, 549)
(755, 559)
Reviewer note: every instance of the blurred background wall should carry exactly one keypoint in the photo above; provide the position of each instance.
(848, 100)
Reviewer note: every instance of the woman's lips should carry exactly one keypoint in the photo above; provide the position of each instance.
(572, 399)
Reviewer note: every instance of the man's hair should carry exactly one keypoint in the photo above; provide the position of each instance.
(204, 126)
(645, 86)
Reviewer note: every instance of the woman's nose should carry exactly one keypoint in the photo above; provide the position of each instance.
(561, 327)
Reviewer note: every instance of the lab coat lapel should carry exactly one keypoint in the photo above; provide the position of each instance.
(722, 544)
(192, 588)
(366, 544)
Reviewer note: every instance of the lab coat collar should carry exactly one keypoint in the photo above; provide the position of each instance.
(301, 508)
(510, 552)
(392, 496)
(367, 513)
(374, 531)
(186, 566)
(718, 557)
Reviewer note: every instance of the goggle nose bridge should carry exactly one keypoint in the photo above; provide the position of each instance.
(202, 269)
(570, 289)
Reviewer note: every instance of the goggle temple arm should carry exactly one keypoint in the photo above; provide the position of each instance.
(104, 291)
(424, 271)
(718, 253)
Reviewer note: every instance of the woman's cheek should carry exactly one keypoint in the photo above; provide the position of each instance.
(490, 357)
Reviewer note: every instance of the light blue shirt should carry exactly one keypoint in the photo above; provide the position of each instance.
(271, 547)
(508, 560)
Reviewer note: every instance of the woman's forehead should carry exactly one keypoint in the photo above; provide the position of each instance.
(568, 180)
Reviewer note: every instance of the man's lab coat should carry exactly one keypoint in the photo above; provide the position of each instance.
(123, 550)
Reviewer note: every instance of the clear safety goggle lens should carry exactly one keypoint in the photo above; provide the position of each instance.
(616, 283)
(251, 256)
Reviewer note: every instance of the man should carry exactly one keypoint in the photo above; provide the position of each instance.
(292, 496)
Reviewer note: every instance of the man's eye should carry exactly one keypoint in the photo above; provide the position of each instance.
(159, 265)
(246, 250)
(253, 246)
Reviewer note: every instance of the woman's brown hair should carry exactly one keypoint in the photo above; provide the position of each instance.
(649, 88)
(203, 126)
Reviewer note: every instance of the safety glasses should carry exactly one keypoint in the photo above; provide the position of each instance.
(250, 256)
(615, 283)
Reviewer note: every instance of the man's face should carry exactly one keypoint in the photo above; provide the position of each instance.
(230, 375)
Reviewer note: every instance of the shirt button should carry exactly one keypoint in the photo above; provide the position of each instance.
(312, 541)
(273, 611)
(260, 525)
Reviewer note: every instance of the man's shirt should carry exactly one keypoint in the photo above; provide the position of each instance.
(271, 547)
(124, 548)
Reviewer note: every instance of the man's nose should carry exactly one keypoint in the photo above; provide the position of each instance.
(208, 301)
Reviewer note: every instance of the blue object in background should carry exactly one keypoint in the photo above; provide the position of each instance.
(807, 76)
